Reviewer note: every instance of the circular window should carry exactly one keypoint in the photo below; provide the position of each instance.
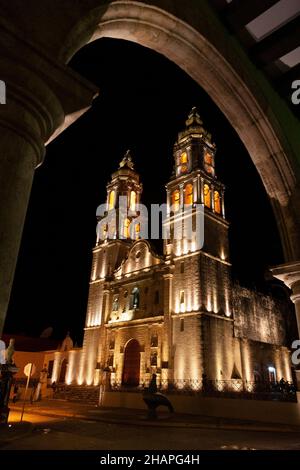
(138, 255)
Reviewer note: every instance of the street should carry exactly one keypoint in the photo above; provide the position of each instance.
(62, 433)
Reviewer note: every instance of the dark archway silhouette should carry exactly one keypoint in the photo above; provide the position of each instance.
(63, 369)
(131, 370)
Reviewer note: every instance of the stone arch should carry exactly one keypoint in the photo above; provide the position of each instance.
(244, 106)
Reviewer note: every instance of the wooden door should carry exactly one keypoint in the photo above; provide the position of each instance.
(131, 371)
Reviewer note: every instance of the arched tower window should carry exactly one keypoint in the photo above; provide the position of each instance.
(127, 228)
(132, 200)
(209, 163)
(217, 200)
(134, 298)
(183, 158)
(111, 200)
(206, 191)
(183, 163)
(156, 297)
(188, 199)
(175, 200)
(182, 301)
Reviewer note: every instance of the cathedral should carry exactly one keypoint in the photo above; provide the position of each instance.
(177, 314)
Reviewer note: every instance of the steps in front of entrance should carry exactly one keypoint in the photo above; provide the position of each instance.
(82, 393)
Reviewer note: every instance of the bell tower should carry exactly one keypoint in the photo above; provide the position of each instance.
(193, 184)
(201, 285)
(118, 220)
(194, 148)
(118, 227)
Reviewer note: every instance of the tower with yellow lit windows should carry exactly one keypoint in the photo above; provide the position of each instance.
(194, 181)
(117, 229)
(123, 197)
(201, 285)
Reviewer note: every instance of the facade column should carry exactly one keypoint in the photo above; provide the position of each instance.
(289, 274)
(101, 359)
(105, 305)
(201, 190)
(223, 204)
(180, 242)
(17, 163)
(142, 369)
(107, 201)
(166, 356)
(167, 225)
(195, 191)
(168, 202)
(120, 367)
(42, 98)
(181, 196)
(212, 197)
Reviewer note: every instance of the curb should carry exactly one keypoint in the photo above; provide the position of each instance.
(224, 426)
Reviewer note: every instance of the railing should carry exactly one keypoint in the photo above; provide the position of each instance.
(21, 382)
(235, 388)
(75, 392)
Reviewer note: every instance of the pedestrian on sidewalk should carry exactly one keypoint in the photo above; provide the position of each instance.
(15, 393)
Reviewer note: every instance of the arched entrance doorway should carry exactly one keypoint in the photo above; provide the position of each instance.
(131, 370)
(63, 369)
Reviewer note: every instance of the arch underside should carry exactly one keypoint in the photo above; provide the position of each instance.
(154, 28)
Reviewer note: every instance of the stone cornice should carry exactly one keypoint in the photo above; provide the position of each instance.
(202, 313)
(43, 96)
(137, 322)
(67, 84)
(204, 253)
(288, 273)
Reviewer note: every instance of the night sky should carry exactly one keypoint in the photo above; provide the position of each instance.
(143, 103)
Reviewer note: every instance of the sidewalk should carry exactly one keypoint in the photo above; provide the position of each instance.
(123, 416)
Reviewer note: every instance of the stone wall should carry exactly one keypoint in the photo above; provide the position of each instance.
(253, 410)
(258, 357)
(187, 348)
(259, 317)
(220, 355)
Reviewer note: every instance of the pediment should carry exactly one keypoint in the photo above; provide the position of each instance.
(141, 256)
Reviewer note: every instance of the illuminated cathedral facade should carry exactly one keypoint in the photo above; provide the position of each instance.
(177, 314)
